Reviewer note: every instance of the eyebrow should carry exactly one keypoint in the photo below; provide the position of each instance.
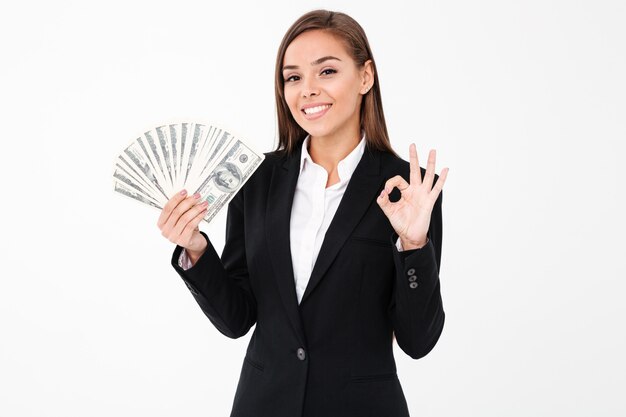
(316, 62)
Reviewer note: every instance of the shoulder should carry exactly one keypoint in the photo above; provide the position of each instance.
(273, 158)
(391, 162)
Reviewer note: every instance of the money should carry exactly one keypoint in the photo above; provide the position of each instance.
(233, 169)
(136, 195)
(193, 156)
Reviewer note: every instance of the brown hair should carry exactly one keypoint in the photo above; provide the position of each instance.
(352, 34)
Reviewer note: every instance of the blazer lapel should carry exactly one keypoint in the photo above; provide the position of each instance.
(365, 183)
(277, 219)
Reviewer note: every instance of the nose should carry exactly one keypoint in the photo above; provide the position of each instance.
(310, 88)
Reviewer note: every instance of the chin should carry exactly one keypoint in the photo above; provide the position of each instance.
(316, 131)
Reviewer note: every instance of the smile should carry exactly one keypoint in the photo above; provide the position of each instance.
(317, 110)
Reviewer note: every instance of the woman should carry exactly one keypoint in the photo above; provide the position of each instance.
(328, 276)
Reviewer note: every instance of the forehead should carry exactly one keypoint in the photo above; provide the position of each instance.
(314, 44)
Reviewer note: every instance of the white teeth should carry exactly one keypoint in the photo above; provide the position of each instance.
(317, 109)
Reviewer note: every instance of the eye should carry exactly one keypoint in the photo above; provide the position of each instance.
(329, 71)
(292, 78)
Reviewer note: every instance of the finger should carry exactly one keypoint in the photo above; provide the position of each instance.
(415, 177)
(384, 203)
(190, 232)
(167, 229)
(440, 182)
(397, 182)
(429, 177)
(183, 207)
(187, 217)
(169, 206)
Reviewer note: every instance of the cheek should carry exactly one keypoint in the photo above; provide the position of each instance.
(344, 92)
(292, 100)
(346, 103)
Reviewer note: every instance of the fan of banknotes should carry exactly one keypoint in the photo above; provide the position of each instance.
(192, 156)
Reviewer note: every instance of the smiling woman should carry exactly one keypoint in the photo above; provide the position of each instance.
(345, 49)
(324, 94)
(327, 276)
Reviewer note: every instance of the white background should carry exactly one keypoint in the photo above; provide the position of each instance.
(523, 100)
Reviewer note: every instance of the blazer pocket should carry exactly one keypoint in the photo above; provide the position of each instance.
(370, 241)
(373, 378)
(257, 365)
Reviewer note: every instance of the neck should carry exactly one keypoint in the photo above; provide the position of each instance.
(328, 152)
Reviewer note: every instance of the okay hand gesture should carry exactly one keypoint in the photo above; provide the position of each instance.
(410, 216)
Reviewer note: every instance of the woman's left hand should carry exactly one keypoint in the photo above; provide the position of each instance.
(410, 216)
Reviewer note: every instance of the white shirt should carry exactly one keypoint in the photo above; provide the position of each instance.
(313, 209)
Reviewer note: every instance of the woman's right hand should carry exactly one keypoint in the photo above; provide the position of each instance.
(179, 221)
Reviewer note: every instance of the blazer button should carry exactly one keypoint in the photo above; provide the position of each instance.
(411, 271)
(413, 278)
(301, 354)
(413, 285)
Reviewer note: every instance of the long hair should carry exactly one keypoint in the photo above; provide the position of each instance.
(352, 34)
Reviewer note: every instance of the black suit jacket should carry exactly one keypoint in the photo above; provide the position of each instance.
(331, 355)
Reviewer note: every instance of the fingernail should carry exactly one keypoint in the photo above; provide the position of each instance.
(183, 192)
(204, 203)
(196, 195)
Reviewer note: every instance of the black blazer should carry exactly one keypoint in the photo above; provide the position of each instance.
(331, 355)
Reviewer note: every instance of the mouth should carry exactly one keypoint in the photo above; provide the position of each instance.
(316, 111)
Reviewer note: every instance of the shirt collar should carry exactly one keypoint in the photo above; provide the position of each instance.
(346, 166)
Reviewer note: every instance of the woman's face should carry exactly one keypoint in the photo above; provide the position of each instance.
(324, 86)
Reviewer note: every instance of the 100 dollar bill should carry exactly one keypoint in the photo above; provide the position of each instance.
(234, 168)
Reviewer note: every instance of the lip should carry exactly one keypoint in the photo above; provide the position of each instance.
(316, 115)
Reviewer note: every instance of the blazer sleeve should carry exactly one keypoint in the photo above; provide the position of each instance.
(416, 307)
(221, 286)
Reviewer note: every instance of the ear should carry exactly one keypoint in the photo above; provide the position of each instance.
(367, 76)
